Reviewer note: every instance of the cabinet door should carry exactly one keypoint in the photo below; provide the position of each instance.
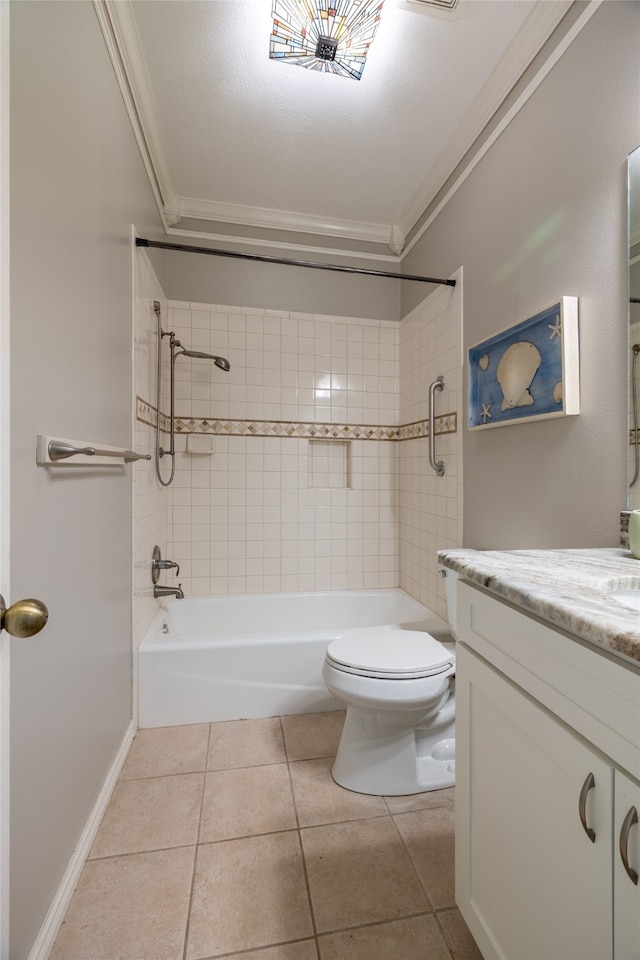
(626, 838)
(530, 882)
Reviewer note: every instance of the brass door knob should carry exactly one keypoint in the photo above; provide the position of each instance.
(24, 618)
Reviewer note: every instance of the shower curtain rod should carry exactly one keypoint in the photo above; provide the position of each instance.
(314, 265)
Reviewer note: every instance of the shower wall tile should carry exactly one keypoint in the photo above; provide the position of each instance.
(430, 507)
(265, 529)
(247, 519)
(289, 367)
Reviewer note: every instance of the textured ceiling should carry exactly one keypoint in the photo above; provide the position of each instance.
(254, 141)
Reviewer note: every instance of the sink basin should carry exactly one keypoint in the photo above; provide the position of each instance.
(628, 598)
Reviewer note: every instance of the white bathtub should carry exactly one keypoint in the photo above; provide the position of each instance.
(230, 658)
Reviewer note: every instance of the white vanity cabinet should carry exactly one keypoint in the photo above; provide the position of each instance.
(626, 938)
(547, 770)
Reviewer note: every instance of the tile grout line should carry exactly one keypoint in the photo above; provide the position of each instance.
(304, 859)
(442, 930)
(195, 856)
(251, 950)
(205, 770)
(413, 866)
(377, 923)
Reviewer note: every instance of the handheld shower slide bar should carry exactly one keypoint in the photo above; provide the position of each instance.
(176, 350)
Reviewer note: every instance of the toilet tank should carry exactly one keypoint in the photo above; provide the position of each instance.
(451, 587)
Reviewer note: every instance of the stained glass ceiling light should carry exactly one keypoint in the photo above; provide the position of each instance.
(331, 36)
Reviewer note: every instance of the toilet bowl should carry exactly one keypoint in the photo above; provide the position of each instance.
(398, 734)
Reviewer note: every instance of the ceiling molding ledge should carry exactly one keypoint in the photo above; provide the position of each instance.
(397, 239)
(172, 211)
(534, 33)
(277, 244)
(215, 212)
(123, 44)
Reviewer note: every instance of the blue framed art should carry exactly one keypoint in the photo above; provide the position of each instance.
(529, 371)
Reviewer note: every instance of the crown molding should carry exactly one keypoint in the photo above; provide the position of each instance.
(536, 30)
(213, 211)
(472, 161)
(118, 26)
(123, 44)
(271, 244)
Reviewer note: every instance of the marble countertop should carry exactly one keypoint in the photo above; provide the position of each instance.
(569, 589)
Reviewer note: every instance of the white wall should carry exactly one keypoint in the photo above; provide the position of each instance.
(541, 216)
(77, 184)
(205, 279)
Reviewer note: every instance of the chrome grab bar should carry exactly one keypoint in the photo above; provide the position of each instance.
(58, 450)
(438, 466)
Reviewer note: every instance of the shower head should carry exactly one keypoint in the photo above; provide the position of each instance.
(220, 362)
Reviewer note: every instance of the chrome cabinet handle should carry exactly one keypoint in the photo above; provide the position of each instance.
(588, 784)
(630, 819)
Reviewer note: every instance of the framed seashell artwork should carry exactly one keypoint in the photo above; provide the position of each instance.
(529, 371)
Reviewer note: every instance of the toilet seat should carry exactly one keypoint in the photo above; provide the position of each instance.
(389, 653)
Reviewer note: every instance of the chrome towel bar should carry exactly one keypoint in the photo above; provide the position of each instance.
(438, 466)
(53, 450)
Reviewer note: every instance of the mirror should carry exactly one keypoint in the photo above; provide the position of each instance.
(634, 331)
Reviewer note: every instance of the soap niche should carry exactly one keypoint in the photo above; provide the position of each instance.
(330, 464)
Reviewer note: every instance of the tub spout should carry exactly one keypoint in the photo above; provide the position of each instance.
(159, 591)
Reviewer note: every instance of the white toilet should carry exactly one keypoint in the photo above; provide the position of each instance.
(399, 732)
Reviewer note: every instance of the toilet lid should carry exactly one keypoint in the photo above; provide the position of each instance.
(389, 653)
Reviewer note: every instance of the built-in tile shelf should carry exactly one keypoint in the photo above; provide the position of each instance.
(444, 423)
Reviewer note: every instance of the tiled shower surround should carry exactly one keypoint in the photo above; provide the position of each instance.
(293, 497)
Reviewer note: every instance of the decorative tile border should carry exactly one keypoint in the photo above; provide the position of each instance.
(278, 428)
(146, 413)
(445, 423)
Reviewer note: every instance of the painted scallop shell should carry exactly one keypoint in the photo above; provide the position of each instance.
(517, 367)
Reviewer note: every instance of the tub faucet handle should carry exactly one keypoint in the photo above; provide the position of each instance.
(167, 565)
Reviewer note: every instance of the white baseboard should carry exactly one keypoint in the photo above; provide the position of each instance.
(55, 915)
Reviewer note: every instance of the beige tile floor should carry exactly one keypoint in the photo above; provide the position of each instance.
(232, 840)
